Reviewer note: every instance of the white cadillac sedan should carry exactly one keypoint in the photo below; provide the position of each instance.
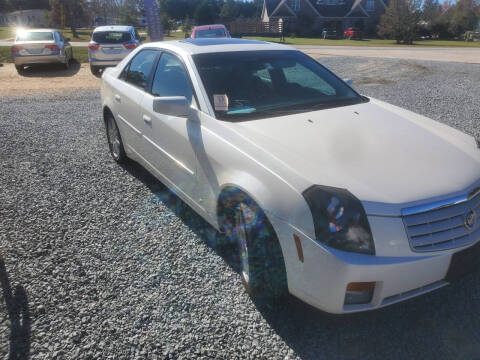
(344, 201)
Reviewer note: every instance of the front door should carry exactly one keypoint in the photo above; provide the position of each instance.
(129, 91)
(168, 139)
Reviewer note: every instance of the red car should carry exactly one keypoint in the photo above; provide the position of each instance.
(353, 33)
(210, 32)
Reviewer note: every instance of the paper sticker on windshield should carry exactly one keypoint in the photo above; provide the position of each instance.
(220, 102)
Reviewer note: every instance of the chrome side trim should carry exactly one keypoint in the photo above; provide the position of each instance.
(436, 205)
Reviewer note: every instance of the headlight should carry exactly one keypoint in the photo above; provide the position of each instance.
(339, 219)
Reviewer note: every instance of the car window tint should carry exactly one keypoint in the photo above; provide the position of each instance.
(171, 78)
(140, 68)
(111, 37)
(35, 36)
(301, 76)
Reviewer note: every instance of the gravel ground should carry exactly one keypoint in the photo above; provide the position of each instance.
(101, 261)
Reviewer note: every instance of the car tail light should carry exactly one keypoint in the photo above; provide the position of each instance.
(52, 47)
(130, 46)
(16, 48)
(93, 46)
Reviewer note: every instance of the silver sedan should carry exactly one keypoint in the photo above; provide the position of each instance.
(41, 46)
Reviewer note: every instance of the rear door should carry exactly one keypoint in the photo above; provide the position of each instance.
(128, 92)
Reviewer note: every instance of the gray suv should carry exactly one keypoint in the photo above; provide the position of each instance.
(110, 44)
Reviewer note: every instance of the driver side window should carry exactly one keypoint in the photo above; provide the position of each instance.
(171, 78)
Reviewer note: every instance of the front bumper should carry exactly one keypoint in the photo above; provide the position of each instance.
(38, 59)
(399, 274)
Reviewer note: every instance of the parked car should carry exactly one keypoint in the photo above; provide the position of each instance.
(109, 45)
(345, 201)
(210, 31)
(41, 46)
(353, 33)
(329, 34)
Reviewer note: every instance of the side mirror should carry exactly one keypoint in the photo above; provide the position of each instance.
(171, 105)
(349, 82)
(68, 39)
(143, 38)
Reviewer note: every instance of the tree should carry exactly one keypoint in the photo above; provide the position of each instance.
(168, 23)
(204, 13)
(431, 10)
(400, 21)
(464, 15)
(187, 25)
(68, 13)
(229, 11)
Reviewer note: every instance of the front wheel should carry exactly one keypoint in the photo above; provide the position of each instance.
(260, 258)
(115, 140)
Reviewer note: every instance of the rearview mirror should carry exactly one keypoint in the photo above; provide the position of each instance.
(349, 82)
(172, 106)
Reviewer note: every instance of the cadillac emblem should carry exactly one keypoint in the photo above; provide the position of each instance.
(470, 219)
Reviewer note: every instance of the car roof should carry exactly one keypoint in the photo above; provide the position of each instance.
(201, 46)
(113, 28)
(208, 27)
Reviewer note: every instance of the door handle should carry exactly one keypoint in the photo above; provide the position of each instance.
(118, 98)
(147, 119)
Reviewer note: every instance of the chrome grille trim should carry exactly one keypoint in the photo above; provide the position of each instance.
(441, 225)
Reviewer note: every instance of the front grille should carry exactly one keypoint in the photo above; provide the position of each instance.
(444, 228)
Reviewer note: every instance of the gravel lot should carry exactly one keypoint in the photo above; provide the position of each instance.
(101, 261)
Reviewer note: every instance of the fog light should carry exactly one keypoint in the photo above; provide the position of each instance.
(359, 293)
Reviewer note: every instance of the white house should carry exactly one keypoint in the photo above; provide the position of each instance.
(32, 18)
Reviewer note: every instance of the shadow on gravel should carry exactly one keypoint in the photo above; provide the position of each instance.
(16, 303)
(439, 325)
(51, 70)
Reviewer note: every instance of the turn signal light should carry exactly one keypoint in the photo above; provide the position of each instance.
(359, 293)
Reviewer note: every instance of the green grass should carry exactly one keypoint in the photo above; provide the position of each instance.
(79, 53)
(6, 32)
(366, 42)
(5, 54)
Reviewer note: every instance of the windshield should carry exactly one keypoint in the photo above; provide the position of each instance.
(210, 33)
(256, 84)
(111, 37)
(35, 36)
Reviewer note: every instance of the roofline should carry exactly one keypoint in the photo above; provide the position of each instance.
(280, 4)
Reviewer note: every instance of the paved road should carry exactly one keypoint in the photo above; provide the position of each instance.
(465, 55)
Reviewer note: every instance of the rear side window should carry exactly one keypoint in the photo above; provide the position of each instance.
(141, 68)
(35, 36)
(111, 37)
(171, 78)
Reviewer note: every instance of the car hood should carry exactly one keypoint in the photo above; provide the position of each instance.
(379, 152)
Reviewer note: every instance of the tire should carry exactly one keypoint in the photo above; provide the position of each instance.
(115, 142)
(20, 68)
(66, 65)
(95, 70)
(259, 255)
